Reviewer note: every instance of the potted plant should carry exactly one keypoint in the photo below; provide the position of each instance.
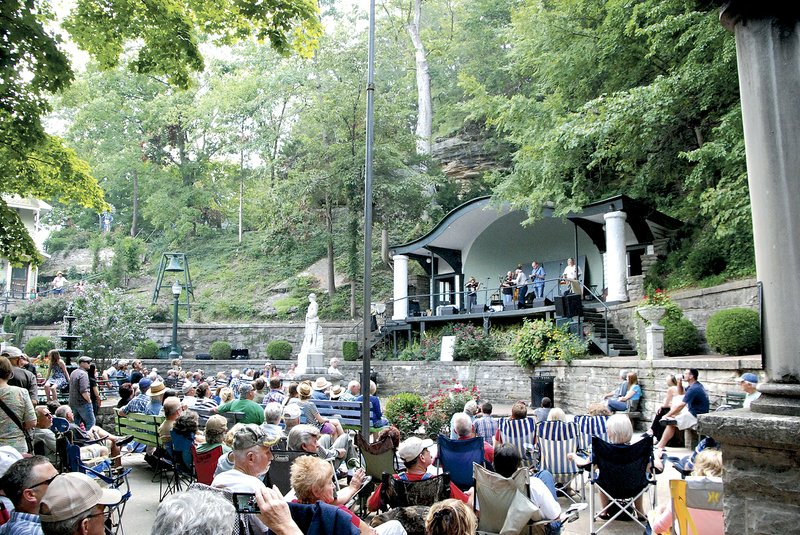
(653, 307)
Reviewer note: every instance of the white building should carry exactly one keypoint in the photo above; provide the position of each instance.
(21, 282)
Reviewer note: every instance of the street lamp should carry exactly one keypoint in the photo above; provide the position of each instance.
(176, 293)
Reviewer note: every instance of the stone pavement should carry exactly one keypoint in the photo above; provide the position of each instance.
(141, 509)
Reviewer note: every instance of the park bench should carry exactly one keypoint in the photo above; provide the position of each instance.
(143, 427)
(347, 412)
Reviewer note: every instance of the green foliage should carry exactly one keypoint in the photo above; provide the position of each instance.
(705, 260)
(67, 239)
(148, 349)
(38, 346)
(43, 311)
(444, 403)
(541, 340)
(220, 350)
(736, 331)
(471, 342)
(160, 313)
(110, 323)
(681, 337)
(279, 350)
(7, 322)
(350, 350)
(127, 260)
(405, 411)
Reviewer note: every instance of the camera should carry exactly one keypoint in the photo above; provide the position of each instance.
(245, 503)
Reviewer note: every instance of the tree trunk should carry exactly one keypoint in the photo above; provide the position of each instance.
(329, 230)
(241, 190)
(352, 299)
(424, 103)
(135, 217)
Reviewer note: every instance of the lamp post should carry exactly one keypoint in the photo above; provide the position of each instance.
(176, 293)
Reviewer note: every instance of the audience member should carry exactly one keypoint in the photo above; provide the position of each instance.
(259, 385)
(253, 412)
(308, 438)
(21, 377)
(8, 456)
(598, 409)
(673, 396)
(320, 388)
(291, 417)
(352, 391)
(557, 415)
(172, 410)
(275, 394)
(215, 431)
(333, 369)
(25, 484)
(272, 419)
(189, 395)
(450, 517)
(376, 415)
(156, 395)
(542, 487)
(464, 430)
(80, 399)
(417, 458)
(141, 402)
(204, 400)
(195, 512)
(312, 415)
(57, 375)
(631, 398)
(74, 504)
(13, 430)
(541, 412)
(695, 400)
(486, 425)
(519, 430)
(621, 389)
(125, 392)
(747, 383)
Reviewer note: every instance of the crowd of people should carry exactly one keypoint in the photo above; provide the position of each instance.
(278, 412)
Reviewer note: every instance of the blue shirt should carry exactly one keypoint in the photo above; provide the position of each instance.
(637, 392)
(375, 403)
(138, 404)
(485, 427)
(696, 399)
(22, 524)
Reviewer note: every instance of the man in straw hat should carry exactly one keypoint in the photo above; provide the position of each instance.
(76, 505)
(319, 388)
(156, 394)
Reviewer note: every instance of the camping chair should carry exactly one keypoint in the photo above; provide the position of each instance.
(203, 414)
(181, 449)
(557, 439)
(522, 434)
(205, 463)
(457, 457)
(403, 493)
(379, 457)
(697, 506)
(279, 469)
(505, 506)
(622, 473)
(591, 426)
(233, 417)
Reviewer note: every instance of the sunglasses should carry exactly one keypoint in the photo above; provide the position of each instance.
(45, 482)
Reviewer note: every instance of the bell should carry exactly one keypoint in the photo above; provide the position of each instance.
(174, 265)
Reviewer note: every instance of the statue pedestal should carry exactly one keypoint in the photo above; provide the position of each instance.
(311, 362)
(654, 334)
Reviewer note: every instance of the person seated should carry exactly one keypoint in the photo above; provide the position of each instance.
(486, 425)
(598, 409)
(272, 419)
(557, 415)
(333, 369)
(620, 431)
(465, 430)
(320, 389)
(291, 417)
(417, 458)
(80, 438)
(541, 412)
(450, 517)
(253, 412)
(352, 391)
(225, 462)
(376, 416)
(695, 401)
(519, 430)
(747, 383)
(312, 481)
(215, 431)
(308, 438)
(328, 426)
(631, 397)
(542, 487)
(621, 389)
(707, 464)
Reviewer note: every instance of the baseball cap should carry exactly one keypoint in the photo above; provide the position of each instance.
(291, 412)
(144, 384)
(748, 377)
(12, 352)
(252, 435)
(8, 456)
(187, 386)
(410, 448)
(85, 359)
(217, 424)
(72, 494)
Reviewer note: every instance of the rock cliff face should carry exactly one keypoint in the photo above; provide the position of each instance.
(470, 153)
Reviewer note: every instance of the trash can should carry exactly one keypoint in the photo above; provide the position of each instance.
(541, 387)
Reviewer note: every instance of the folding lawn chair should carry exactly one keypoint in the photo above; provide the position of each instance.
(555, 440)
(622, 473)
(591, 426)
(457, 456)
(522, 434)
(697, 506)
(403, 493)
(378, 457)
(205, 463)
(279, 469)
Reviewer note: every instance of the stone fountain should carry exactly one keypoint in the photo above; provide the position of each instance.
(69, 339)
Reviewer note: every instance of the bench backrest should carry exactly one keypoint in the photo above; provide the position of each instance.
(143, 427)
(347, 412)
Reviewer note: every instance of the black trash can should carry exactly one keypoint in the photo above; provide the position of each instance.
(541, 387)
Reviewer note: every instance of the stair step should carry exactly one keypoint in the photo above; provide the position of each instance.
(627, 353)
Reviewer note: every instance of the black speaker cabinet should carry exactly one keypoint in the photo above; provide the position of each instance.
(569, 306)
(478, 309)
(543, 302)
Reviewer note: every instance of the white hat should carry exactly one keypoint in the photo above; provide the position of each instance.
(8, 456)
(410, 448)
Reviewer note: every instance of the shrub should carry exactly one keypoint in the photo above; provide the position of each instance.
(160, 313)
(43, 311)
(681, 337)
(147, 350)
(350, 350)
(541, 340)
(38, 345)
(405, 411)
(736, 331)
(471, 343)
(279, 350)
(704, 261)
(442, 405)
(220, 350)
(7, 324)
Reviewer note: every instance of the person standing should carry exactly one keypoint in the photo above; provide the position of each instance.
(19, 376)
(472, 287)
(537, 277)
(17, 417)
(521, 282)
(58, 283)
(80, 399)
(507, 289)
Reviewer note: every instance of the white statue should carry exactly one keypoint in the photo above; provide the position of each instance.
(312, 337)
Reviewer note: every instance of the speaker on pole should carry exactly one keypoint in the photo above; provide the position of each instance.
(569, 306)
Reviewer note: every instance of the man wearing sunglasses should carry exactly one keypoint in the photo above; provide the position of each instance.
(75, 504)
(25, 484)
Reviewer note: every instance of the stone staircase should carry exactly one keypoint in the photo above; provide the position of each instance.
(618, 345)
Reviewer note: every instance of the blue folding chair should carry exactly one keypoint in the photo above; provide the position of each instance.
(555, 440)
(457, 456)
(522, 434)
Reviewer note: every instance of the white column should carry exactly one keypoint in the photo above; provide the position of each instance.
(616, 259)
(400, 287)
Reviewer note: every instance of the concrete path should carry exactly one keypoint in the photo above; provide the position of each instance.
(141, 510)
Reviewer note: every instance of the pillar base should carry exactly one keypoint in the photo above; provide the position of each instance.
(654, 334)
(778, 398)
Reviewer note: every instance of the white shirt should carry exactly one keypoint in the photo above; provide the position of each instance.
(520, 279)
(543, 498)
(749, 398)
(236, 481)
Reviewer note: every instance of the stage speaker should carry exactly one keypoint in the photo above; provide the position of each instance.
(569, 306)
(543, 302)
(478, 309)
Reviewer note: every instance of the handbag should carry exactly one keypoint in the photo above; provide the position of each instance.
(16, 420)
(686, 419)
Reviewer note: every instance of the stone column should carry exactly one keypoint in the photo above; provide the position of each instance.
(761, 445)
(616, 257)
(400, 287)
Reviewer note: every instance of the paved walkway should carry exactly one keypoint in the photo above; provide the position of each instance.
(141, 510)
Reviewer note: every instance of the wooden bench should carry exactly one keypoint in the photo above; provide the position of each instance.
(347, 412)
(143, 427)
(735, 400)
